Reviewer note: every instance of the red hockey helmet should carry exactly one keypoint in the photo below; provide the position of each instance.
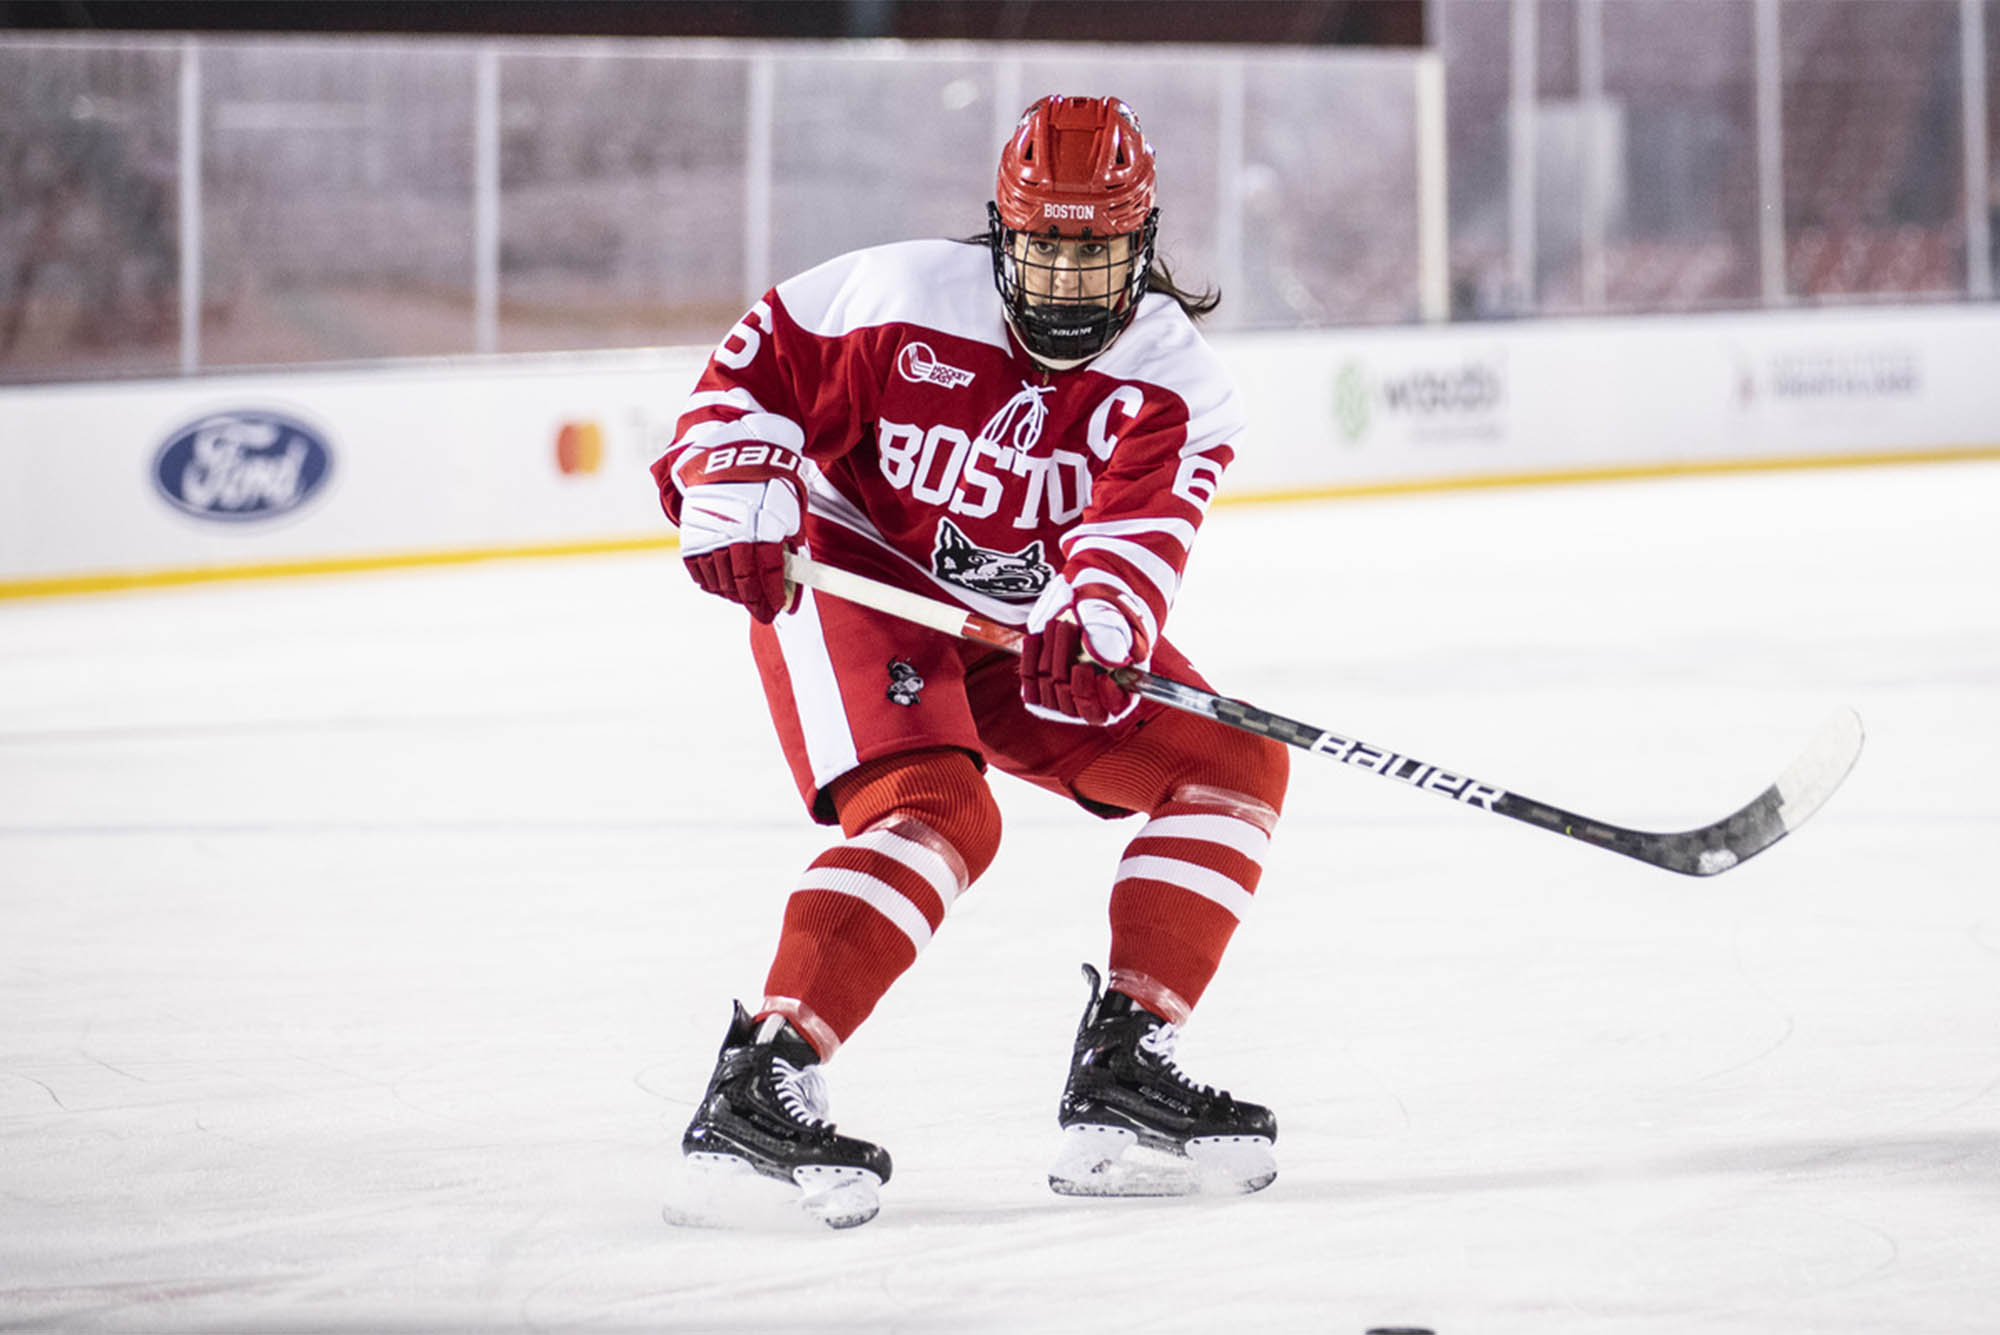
(1076, 167)
(1072, 225)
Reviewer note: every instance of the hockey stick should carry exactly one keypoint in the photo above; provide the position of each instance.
(1716, 847)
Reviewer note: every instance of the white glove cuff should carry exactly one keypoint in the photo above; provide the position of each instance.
(1057, 716)
(718, 514)
(1107, 632)
(1053, 601)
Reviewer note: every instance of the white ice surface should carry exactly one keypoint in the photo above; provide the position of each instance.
(365, 941)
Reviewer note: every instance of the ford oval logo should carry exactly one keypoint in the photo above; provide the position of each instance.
(242, 465)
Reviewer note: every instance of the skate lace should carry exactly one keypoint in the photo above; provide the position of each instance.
(1159, 1044)
(802, 1092)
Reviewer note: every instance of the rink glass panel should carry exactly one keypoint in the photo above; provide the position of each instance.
(89, 215)
(621, 196)
(866, 150)
(1874, 148)
(1675, 136)
(1668, 146)
(336, 201)
(1328, 197)
(1473, 39)
(1310, 221)
(645, 191)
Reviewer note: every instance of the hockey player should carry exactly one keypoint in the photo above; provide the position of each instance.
(1032, 427)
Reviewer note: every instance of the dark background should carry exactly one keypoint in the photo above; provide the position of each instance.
(1283, 22)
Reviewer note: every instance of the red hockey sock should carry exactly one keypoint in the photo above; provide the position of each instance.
(1185, 882)
(921, 828)
(1188, 875)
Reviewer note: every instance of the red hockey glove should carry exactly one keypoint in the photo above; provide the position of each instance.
(1072, 639)
(734, 536)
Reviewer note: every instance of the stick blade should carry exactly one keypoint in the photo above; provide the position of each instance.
(1801, 790)
(1822, 768)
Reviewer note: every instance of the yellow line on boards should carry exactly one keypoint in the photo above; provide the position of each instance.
(119, 580)
(1609, 473)
(113, 581)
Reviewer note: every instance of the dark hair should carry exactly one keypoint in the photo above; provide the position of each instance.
(1196, 304)
(1159, 279)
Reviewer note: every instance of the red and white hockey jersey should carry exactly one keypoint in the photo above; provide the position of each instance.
(939, 456)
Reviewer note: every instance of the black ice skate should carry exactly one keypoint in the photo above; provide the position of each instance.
(765, 1114)
(1124, 1091)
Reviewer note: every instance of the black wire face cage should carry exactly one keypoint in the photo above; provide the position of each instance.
(1068, 332)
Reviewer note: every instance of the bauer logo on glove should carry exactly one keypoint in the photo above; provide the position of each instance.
(734, 535)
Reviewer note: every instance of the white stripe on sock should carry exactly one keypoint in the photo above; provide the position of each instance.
(1228, 831)
(877, 894)
(925, 862)
(1210, 885)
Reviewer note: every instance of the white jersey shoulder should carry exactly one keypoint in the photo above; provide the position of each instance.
(942, 285)
(1162, 347)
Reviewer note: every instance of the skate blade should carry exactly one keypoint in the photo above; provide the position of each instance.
(1110, 1161)
(723, 1191)
(838, 1197)
(1235, 1165)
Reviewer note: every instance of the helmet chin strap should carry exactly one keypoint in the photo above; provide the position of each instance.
(1063, 363)
(1056, 363)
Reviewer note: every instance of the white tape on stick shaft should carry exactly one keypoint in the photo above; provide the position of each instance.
(874, 593)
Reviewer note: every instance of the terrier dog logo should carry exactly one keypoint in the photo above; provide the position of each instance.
(1010, 575)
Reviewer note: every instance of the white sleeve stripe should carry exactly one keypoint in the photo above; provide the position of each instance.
(1231, 833)
(877, 894)
(1210, 885)
(1203, 446)
(1178, 529)
(925, 862)
(722, 398)
(1144, 560)
(764, 428)
(1092, 576)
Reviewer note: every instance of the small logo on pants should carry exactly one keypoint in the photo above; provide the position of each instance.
(904, 684)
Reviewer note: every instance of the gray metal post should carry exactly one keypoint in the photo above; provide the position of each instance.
(1521, 169)
(1229, 177)
(188, 165)
(486, 202)
(1433, 192)
(1770, 154)
(1594, 127)
(1978, 180)
(757, 177)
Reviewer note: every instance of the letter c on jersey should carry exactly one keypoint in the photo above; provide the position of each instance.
(1128, 401)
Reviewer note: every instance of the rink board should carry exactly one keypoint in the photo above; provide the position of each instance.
(438, 461)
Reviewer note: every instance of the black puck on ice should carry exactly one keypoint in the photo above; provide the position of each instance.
(1400, 1330)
